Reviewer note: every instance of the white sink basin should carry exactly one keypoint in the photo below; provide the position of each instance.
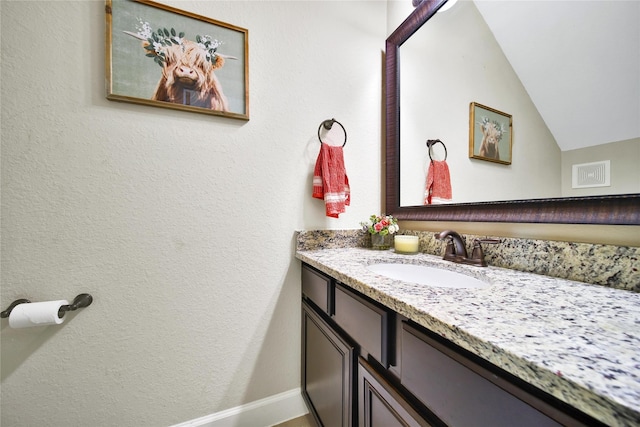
(429, 276)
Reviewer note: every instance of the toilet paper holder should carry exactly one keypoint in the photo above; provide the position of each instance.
(80, 301)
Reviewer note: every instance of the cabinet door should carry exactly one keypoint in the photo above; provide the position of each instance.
(328, 363)
(380, 404)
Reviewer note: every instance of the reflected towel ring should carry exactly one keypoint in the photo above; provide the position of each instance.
(431, 143)
(328, 124)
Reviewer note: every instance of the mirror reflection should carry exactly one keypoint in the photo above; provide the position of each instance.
(570, 105)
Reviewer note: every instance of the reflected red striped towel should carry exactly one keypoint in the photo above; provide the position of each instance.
(330, 181)
(438, 188)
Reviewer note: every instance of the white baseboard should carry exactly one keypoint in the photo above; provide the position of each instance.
(260, 413)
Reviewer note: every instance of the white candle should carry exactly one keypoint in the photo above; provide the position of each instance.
(406, 244)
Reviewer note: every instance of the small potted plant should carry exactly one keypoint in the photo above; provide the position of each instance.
(382, 228)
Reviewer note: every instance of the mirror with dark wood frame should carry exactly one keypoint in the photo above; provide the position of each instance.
(613, 209)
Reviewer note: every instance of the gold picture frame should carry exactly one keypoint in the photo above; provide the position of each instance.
(160, 56)
(490, 134)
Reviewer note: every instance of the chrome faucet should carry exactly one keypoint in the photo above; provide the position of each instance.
(456, 250)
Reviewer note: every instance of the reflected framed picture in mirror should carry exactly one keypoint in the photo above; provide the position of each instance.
(490, 134)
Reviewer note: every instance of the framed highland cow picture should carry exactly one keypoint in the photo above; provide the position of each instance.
(160, 56)
(490, 134)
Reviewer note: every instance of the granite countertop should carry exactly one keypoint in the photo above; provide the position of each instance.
(578, 342)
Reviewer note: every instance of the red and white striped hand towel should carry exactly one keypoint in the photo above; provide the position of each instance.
(438, 188)
(330, 181)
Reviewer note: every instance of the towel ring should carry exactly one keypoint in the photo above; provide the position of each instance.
(328, 124)
(431, 143)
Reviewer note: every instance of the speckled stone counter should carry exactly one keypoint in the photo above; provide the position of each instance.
(576, 341)
(606, 265)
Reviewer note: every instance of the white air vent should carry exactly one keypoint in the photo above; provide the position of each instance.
(587, 175)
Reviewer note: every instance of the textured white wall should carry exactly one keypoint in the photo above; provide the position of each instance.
(180, 225)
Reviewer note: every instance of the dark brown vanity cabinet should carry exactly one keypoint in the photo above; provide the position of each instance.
(340, 330)
(364, 365)
(328, 356)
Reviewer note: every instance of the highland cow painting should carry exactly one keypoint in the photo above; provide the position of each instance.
(490, 134)
(165, 57)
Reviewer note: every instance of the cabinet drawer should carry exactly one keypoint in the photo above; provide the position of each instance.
(317, 288)
(462, 393)
(367, 323)
(380, 404)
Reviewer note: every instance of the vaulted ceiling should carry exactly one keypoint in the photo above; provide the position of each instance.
(579, 60)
